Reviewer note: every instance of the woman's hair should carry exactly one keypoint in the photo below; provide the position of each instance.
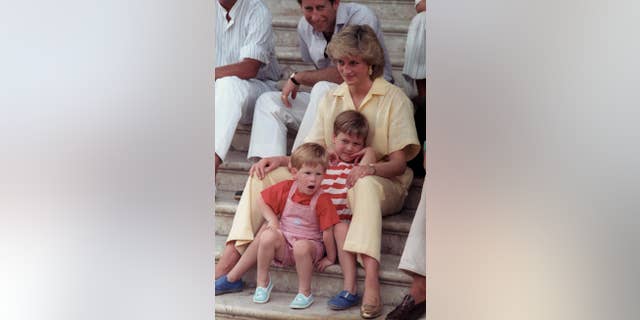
(358, 40)
(351, 122)
(311, 154)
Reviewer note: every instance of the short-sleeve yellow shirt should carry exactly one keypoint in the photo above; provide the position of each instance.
(387, 109)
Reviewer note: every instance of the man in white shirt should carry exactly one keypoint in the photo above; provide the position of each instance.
(276, 112)
(245, 67)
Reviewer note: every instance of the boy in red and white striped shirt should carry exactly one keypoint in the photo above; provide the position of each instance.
(350, 130)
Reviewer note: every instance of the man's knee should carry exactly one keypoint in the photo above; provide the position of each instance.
(268, 102)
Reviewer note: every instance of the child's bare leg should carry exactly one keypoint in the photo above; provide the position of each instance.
(230, 257)
(271, 245)
(347, 259)
(303, 252)
(247, 260)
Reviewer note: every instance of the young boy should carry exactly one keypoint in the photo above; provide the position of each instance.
(350, 130)
(300, 217)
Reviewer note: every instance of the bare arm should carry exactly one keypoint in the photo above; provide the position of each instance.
(396, 166)
(330, 245)
(245, 69)
(268, 214)
(308, 78)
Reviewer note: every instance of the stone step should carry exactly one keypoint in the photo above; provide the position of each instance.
(384, 9)
(395, 228)
(393, 282)
(395, 34)
(240, 306)
(291, 54)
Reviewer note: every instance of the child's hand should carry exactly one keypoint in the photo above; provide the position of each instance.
(323, 264)
(273, 224)
(333, 156)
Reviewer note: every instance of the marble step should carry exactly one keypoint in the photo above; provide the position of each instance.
(394, 227)
(240, 306)
(384, 9)
(291, 54)
(395, 34)
(393, 282)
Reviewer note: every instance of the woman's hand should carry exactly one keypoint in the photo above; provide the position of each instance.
(323, 264)
(358, 172)
(264, 166)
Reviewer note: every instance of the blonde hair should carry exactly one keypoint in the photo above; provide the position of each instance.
(311, 154)
(351, 122)
(361, 41)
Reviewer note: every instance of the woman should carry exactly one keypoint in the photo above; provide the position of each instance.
(377, 189)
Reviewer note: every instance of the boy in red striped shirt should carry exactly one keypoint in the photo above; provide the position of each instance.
(350, 130)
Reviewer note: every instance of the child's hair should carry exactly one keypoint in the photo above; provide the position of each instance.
(311, 154)
(351, 122)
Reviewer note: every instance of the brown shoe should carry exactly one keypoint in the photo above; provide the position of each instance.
(368, 311)
(407, 310)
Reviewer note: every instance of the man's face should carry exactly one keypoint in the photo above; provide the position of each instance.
(320, 14)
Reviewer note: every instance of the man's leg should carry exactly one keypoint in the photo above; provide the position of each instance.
(271, 120)
(318, 92)
(234, 102)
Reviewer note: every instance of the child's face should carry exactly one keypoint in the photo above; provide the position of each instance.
(309, 178)
(346, 145)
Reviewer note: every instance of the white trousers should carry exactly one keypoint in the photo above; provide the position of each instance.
(234, 103)
(414, 256)
(272, 119)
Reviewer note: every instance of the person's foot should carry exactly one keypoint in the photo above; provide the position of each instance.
(301, 301)
(262, 294)
(237, 195)
(343, 300)
(407, 310)
(225, 286)
(368, 311)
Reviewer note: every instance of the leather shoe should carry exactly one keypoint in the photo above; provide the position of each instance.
(407, 310)
(368, 311)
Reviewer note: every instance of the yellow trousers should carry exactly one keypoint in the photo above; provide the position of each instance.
(370, 199)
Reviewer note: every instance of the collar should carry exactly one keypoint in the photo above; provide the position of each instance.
(378, 88)
(341, 17)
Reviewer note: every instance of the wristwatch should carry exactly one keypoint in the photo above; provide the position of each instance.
(292, 77)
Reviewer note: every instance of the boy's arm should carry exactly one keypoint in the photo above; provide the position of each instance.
(330, 246)
(268, 214)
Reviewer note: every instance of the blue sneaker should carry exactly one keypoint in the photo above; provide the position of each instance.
(301, 302)
(224, 286)
(343, 300)
(262, 294)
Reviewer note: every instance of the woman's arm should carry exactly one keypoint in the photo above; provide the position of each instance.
(266, 165)
(396, 166)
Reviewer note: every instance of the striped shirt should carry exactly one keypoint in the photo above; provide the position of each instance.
(335, 184)
(313, 44)
(247, 35)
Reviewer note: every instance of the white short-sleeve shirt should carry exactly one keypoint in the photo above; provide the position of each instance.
(247, 35)
(313, 44)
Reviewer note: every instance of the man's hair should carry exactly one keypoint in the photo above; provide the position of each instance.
(311, 154)
(300, 1)
(351, 122)
(360, 41)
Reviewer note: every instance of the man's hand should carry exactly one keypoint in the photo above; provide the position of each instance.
(289, 89)
(264, 166)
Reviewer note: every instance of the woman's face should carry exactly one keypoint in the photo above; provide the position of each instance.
(353, 70)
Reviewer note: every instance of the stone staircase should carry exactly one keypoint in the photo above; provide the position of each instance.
(395, 17)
